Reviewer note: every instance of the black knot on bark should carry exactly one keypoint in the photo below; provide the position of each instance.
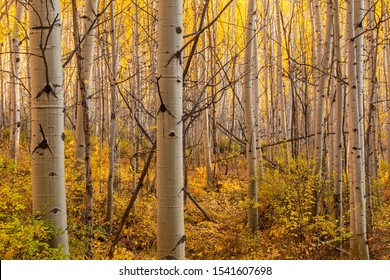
(47, 88)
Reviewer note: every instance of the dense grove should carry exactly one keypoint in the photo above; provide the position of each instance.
(287, 229)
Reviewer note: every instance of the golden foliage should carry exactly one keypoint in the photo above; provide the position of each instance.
(287, 229)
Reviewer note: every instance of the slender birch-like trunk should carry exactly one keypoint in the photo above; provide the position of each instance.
(170, 212)
(82, 150)
(47, 123)
(206, 123)
(372, 164)
(85, 83)
(137, 93)
(319, 97)
(111, 144)
(15, 122)
(357, 180)
(79, 148)
(323, 54)
(257, 105)
(280, 96)
(266, 77)
(250, 130)
(338, 126)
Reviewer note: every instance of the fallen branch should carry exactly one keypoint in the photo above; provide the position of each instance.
(197, 205)
(132, 201)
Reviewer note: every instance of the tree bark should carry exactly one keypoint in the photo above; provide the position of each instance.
(15, 122)
(111, 144)
(47, 105)
(323, 62)
(357, 180)
(250, 130)
(170, 212)
(338, 125)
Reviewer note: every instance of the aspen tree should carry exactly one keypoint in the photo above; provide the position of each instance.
(213, 42)
(318, 96)
(257, 106)
(111, 162)
(197, 73)
(323, 55)
(79, 148)
(338, 143)
(281, 98)
(273, 89)
(371, 133)
(207, 149)
(85, 83)
(250, 131)
(306, 98)
(266, 77)
(293, 85)
(15, 122)
(205, 114)
(82, 149)
(137, 91)
(356, 181)
(47, 120)
(170, 212)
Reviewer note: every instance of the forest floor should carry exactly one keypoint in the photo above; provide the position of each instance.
(286, 228)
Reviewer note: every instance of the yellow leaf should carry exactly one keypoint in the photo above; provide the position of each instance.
(9, 255)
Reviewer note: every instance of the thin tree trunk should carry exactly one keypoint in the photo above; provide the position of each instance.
(85, 68)
(79, 148)
(111, 144)
(281, 98)
(256, 107)
(338, 143)
(323, 55)
(357, 180)
(206, 123)
(15, 122)
(249, 115)
(371, 134)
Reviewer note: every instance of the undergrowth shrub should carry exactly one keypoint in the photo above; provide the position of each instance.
(21, 235)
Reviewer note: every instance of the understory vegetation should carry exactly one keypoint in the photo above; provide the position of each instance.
(287, 230)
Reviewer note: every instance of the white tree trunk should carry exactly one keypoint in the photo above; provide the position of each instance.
(47, 140)
(357, 178)
(170, 212)
(323, 55)
(15, 123)
(257, 107)
(372, 163)
(250, 130)
(338, 125)
(205, 117)
(266, 77)
(85, 81)
(281, 98)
